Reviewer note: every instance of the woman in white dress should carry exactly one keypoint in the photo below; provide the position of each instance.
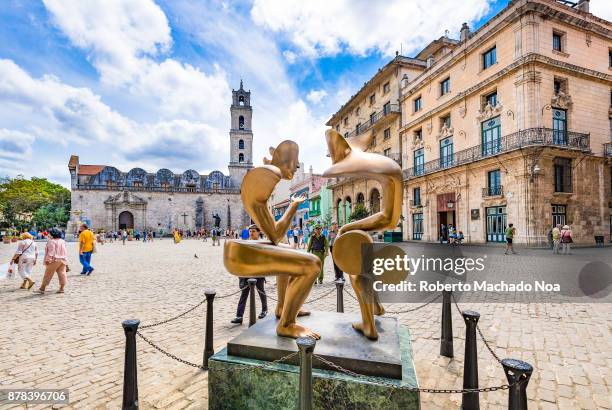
(25, 257)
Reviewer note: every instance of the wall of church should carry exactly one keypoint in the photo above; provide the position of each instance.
(161, 211)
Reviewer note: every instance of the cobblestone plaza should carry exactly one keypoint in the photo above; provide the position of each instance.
(76, 341)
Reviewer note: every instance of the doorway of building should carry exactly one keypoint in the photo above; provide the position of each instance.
(496, 224)
(126, 220)
(446, 218)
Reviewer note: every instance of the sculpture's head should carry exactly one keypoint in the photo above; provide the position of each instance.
(285, 158)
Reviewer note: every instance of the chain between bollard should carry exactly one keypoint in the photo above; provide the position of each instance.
(258, 366)
(232, 294)
(308, 301)
(487, 345)
(170, 355)
(379, 382)
(191, 309)
(414, 308)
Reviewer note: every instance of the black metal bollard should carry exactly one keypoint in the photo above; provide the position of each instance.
(306, 347)
(518, 374)
(339, 296)
(130, 369)
(208, 338)
(470, 364)
(252, 313)
(446, 336)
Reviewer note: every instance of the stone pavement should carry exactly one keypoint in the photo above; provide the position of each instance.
(76, 341)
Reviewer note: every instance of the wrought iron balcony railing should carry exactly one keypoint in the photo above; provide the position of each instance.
(608, 149)
(496, 190)
(519, 139)
(213, 190)
(392, 109)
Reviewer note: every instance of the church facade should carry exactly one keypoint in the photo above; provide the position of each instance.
(110, 199)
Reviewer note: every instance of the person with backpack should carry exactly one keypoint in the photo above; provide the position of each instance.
(318, 246)
(566, 240)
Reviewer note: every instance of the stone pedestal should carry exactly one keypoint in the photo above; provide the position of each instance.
(237, 379)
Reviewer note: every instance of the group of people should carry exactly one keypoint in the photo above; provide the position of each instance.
(55, 258)
(449, 234)
(560, 239)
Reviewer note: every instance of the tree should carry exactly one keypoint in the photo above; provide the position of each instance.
(20, 198)
(327, 220)
(359, 212)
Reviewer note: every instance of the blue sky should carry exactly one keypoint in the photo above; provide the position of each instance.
(148, 83)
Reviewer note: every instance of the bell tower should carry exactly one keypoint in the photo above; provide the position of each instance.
(241, 135)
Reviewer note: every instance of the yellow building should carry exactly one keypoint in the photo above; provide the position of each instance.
(374, 110)
(510, 124)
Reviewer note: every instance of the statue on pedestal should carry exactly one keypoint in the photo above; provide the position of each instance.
(350, 160)
(295, 271)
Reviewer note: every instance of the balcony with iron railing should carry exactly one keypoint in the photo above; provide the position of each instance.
(494, 190)
(361, 128)
(517, 140)
(112, 187)
(607, 149)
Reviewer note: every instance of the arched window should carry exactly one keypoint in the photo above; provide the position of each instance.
(241, 122)
(241, 144)
(360, 198)
(375, 201)
(339, 212)
(241, 100)
(241, 157)
(347, 209)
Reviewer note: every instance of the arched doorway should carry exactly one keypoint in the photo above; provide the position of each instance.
(339, 212)
(126, 220)
(347, 209)
(360, 198)
(375, 201)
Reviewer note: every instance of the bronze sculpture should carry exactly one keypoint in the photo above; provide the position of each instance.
(351, 160)
(295, 271)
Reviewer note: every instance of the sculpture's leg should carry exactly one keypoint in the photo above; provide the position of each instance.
(253, 259)
(367, 325)
(281, 288)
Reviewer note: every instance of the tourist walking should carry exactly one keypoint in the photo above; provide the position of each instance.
(333, 234)
(124, 236)
(86, 248)
(25, 258)
(318, 246)
(254, 234)
(510, 232)
(566, 240)
(56, 261)
(556, 238)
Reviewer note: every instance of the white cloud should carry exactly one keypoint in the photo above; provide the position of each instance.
(126, 42)
(290, 56)
(323, 27)
(62, 114)
(15, 146)
(601, 8)
(118, 35)
(315, 96)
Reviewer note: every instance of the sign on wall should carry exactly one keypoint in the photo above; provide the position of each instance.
(475, 214)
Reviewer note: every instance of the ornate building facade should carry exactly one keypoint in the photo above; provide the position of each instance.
(107, 198)
(512, 124)
(374, 113)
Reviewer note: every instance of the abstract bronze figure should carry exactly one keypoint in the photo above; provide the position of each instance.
(295, 271)
(350, 160)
